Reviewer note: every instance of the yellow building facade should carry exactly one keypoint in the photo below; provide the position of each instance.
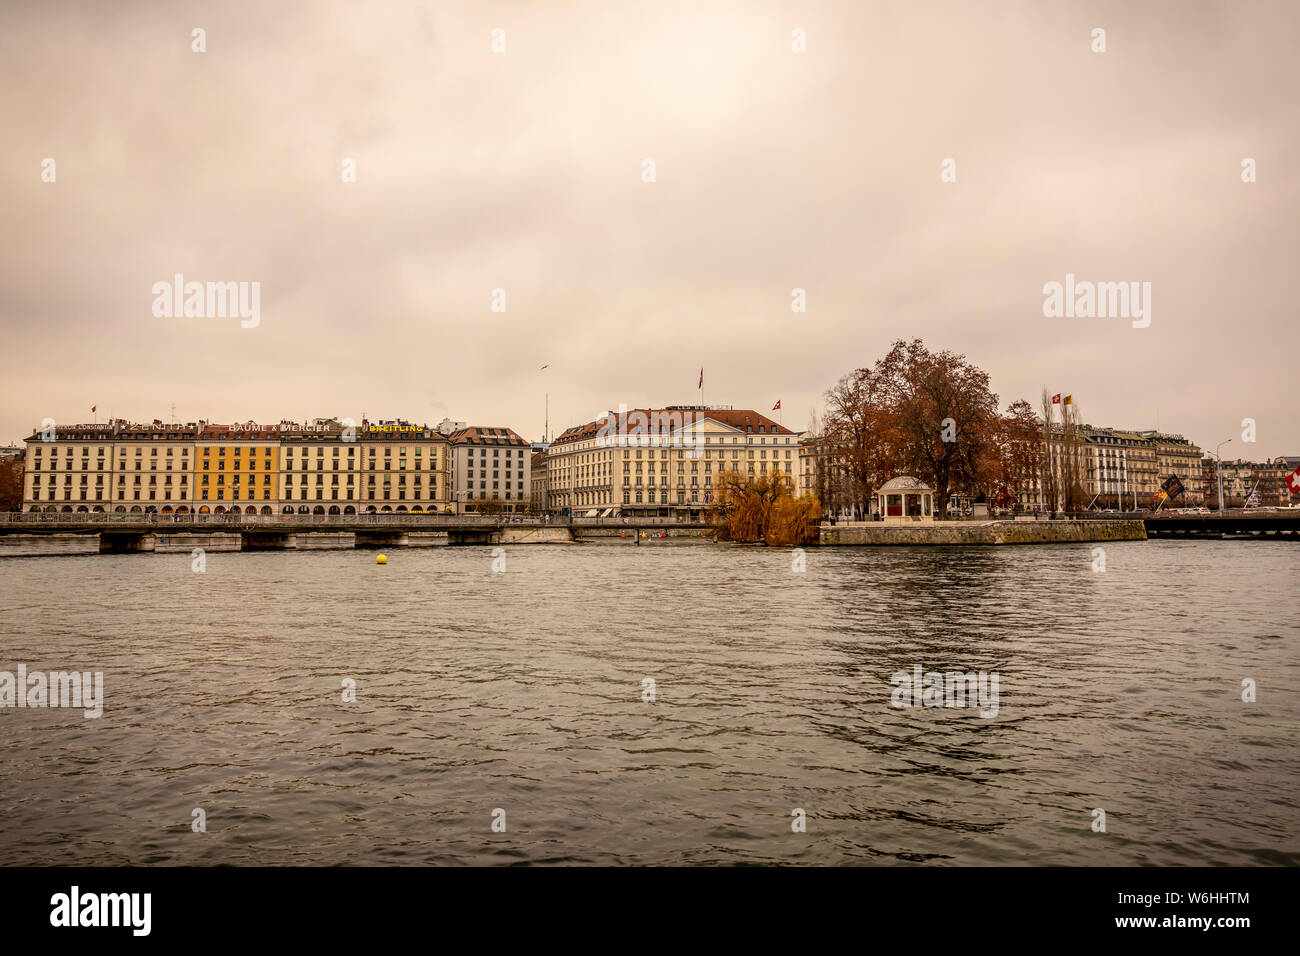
(237, 469)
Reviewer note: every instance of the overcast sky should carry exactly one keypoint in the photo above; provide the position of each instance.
(522, 170)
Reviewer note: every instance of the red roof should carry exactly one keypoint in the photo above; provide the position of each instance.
(481, 435)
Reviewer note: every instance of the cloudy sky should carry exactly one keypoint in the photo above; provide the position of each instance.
(523, 170)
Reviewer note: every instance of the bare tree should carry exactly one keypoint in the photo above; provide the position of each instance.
(1048, 477)
(857, 450)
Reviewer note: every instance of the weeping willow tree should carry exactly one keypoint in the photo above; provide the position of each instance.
(763, 509)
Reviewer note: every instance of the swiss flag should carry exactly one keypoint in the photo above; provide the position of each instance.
(1293, 482)
(1056, 399)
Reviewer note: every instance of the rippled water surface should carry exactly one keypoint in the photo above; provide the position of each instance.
(523, 691)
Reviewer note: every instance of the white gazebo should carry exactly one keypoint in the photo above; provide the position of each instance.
(905, 499)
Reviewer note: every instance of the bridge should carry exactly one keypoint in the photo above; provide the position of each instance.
(1231, 524)
(139, 531)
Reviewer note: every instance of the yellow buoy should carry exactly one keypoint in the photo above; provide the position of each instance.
(381, 559)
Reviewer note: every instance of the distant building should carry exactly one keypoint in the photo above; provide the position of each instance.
(1124, 469)
(538, 496)
(1241, 479)
(822, 477)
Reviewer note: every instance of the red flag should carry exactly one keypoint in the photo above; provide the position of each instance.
(1056, 399)
(777, 406)
(92, 408)
(1293, 482)
(701, 385)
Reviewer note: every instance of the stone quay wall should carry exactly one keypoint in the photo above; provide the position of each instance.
(873, 533)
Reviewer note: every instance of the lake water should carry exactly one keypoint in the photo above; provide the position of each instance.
(522, 690)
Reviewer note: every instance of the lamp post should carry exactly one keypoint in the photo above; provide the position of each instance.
(1218, 470)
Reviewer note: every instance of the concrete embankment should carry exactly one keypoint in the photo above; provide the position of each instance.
(873, 533)
(527, 535)
(165, 543)
(28, 545)
(652, 535)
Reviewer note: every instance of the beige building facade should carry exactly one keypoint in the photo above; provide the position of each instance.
(325, 467)
(490, 470)
(662, 463)
(403, 468)
(115, 466)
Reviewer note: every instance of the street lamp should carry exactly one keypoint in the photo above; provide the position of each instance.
(1218, 470)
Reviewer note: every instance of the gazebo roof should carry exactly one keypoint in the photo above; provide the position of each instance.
(904, 483)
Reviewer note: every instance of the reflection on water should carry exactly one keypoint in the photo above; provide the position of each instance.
(523, 691)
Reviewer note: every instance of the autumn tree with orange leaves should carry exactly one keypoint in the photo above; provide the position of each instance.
(11, 484)
(927, 414)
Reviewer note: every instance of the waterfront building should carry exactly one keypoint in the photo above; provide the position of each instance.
(237, 469)
(403, 467)
(1121, 470)
(69, 468)
(154, 468)
(115, 466)
(661, 462)
(320, 468)
(1116, 466)
(490, 470)
(323, 467)
(1176, 456)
